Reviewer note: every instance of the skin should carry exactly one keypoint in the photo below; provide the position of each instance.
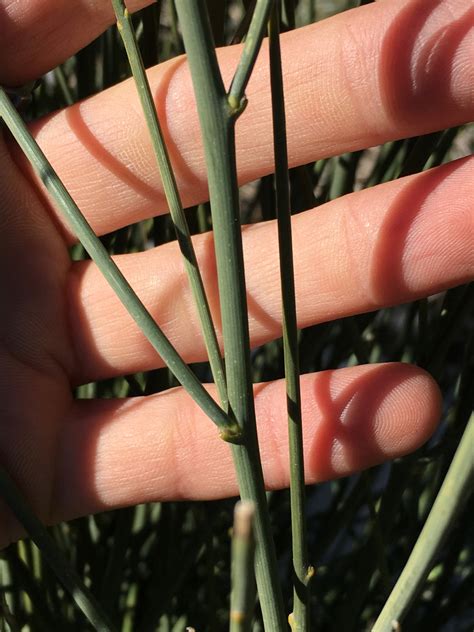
(384, 71)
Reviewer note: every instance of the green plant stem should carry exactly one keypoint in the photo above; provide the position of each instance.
(376, 534)
(302, 571)
(217, 120)
(253, 42)
(242, 598)
(126, 30)
(63, 85)
(7, 617)
(452, 496)
(228, 427)
(53, 555)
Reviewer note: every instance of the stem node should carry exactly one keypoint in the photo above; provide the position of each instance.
(310, 573)
(232, 434)
(236, 106)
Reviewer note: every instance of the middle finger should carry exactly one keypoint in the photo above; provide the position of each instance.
(393, 243)
(355, 80)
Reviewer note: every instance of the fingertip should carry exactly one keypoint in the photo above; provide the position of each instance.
(362, 416)
(409, 413)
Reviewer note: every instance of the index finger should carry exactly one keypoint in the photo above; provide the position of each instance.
(383, 71)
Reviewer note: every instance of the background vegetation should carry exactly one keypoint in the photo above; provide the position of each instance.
(165, 566)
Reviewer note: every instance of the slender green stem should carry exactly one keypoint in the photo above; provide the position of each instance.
(229, 429)
(376, 535)
(7, 617)
(63, 85)
(253, 42)
(242, 598)
(125, 27)
(53, 555)
(302, 571)
(217, 120)
(453, 494)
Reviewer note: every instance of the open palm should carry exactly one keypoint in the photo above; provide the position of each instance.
(403, 69)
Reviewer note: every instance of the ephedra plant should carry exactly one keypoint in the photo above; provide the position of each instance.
(161, 566)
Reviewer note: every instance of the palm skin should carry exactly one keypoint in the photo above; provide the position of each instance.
(61, 326)
(36, 357)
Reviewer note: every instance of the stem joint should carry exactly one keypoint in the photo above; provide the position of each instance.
(235, 107)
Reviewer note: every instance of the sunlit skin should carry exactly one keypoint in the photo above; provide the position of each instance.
(388, 70)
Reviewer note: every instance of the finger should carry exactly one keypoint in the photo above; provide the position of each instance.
(37, 36)
(383, 246)
(384, 71)
(119, 452)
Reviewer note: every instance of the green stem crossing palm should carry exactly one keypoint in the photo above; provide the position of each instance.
(302, 571)
(229, 429)
(217, 119)
(125, 26)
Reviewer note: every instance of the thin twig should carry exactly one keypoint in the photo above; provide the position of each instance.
(302, 571)
(125, 27)
(66, 574)
(242, 598)
(217, 120)
(229, 429)
(454, 493)
(253, 42)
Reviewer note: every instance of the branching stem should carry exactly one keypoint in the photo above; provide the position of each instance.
(217, 119)
(125, 27)
(229, 429)
(253, 42)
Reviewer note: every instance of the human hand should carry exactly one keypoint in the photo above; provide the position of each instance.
(402, 68)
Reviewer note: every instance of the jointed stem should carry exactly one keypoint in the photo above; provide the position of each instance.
(302, 572)
(229, 428)
(252, 45)
(217, 120)
(125, 26)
